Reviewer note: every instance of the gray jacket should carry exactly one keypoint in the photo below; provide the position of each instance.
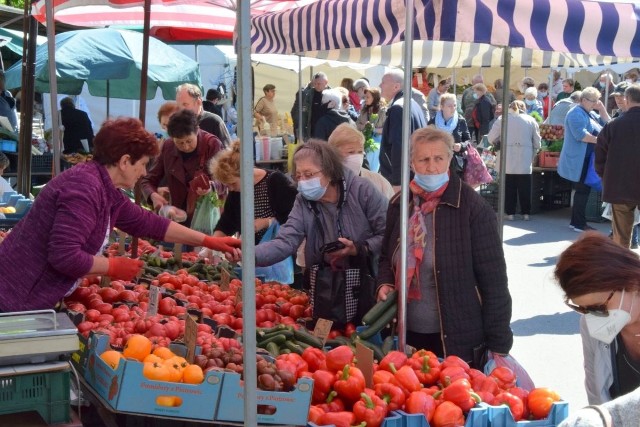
(362, 218)
(598, 367)
(523, 142)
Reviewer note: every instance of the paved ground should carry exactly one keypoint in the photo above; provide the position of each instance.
(546, 332)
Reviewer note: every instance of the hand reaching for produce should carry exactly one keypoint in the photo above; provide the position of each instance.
(383, 291)
(121, 268)
(222, 244)
(158, 201)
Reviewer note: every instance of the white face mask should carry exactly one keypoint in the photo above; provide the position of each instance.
(353, 162)
(606, 328)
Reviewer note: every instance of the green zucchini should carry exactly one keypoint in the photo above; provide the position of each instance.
(379, 323)
(273, 349)
(381, 307)
(305, 337)
(278, 339)
(295, 348)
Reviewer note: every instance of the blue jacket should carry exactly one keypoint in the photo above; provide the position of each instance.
(577, 124)
(391, 145)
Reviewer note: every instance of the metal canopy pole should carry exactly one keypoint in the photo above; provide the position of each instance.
(243, 52)
(299, 112)
(56, 143)
(404, 205)
(30, 27)
(506, 77)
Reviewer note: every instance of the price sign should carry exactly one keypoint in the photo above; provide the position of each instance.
(364, 356)
(225, 279)
(190, 337)
(322, 329)
(177, 254)
(154, 298)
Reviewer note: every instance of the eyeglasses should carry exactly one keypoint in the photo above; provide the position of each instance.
(591, 100)
(306, 175)
(600, 310)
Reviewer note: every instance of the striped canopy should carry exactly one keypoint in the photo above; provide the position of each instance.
(589, 27)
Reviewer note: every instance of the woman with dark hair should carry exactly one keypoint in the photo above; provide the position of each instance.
(182, 162)
(333, 205)
(62, 237)
(374, 106)
(601, 280)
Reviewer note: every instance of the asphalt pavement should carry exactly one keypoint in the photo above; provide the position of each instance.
(546, 332)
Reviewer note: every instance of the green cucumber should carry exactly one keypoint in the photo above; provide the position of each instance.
(265, 339)
(273, 349)
(278, 339)
(381, 307)
(379, 323)
(303, 336)
(295, 348)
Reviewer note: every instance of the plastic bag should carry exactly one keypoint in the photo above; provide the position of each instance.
(523, 379)
(281, 272)
(173, 213)
(592, 179)
(206, 215)
(607, 212)
(475, 171)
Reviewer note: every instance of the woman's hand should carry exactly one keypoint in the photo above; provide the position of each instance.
(158, 201)
(348, 250)
(262, 224)
(383, 291)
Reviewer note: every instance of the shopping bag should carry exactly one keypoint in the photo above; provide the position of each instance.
(523, 379)
(206, 214)
(334, 293)
(607, 213)
(475, 171)
(592, 179)
(281, 272)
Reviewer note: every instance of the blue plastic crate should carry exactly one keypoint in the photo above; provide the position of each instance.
(393, 420)
(8, 145)
(477, 417)
(500, 416)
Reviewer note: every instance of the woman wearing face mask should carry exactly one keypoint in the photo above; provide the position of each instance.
(333, 204)
(483, 112)
(350, 144)
(544, 99)
(447, 119)
(600, 280)
(455, 260)
(531, 101)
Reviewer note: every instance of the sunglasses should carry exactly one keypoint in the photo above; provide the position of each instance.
(600, 310)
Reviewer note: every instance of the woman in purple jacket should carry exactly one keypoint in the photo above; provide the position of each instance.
(62, 237)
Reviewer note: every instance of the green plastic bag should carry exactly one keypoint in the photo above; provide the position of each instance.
(206, 214)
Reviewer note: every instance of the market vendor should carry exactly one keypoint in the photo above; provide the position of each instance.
(600, 279)
(458, 298)
(62, 237)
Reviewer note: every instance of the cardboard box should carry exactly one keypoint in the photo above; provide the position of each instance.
(290, 407)
(126, 389)
(548, 159)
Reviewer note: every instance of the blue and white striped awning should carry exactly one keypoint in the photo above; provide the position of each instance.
(591, 27)
(438, 54)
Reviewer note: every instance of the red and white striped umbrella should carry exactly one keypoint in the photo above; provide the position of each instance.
(170, 19)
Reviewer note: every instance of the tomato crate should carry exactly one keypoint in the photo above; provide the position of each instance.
(500, 416)
(393, 420)
(290, 407)
(126, 389)
(46, 392)
(548, 159)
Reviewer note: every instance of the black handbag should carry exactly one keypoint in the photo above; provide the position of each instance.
(334, 293)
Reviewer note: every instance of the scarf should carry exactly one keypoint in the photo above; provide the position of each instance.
(423, 203)
(441, 123)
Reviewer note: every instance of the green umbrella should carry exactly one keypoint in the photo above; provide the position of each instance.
(109, 61)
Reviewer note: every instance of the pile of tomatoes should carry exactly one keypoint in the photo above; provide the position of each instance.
(443, 391)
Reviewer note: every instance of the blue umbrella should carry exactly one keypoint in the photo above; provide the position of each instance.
(109, 62)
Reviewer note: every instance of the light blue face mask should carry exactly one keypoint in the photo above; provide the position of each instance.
(431, 182)
(530, 101)
(312, 189)
(475, 95)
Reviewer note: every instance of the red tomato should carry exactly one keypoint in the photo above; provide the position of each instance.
(166, 306)
(109, 294)
(296, 311)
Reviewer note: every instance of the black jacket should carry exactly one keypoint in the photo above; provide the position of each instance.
(328, 122)
(77, 126)
(470, 270)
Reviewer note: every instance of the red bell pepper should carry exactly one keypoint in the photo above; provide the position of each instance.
(332, 404)
(285, 365)
(485, 383)
(382, 377)
(315, 358)
(487, 397)
(339, 419)
(447, 414)
(524, 396)
(392, 394)
(474, 373)
(513, 402)
(460, 393)
(452, 373)
(370, 410)
(339, 357)
(504, 377)
(420, 402)
(427, 369)
(314, 414)
(407, 380)
(392, 361)
(322, 383)
(297, 360)
(349, 383)
(421, 353)
(455, 361)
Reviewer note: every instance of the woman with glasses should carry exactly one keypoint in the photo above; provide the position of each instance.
(581, 127)
(182, 163)
(601, 280)
(341, 215)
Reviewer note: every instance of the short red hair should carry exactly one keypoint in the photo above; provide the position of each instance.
(124, 135)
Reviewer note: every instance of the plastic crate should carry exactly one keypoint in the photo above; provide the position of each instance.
(42, 163)
(593, 213)
(548, 159)
(46, 392)
(560, 199)
(8, 145)
(489, 192)
(500, 416)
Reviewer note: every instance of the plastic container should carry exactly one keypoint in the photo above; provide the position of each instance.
(44, 392)
(173, 213)
(266, 148)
